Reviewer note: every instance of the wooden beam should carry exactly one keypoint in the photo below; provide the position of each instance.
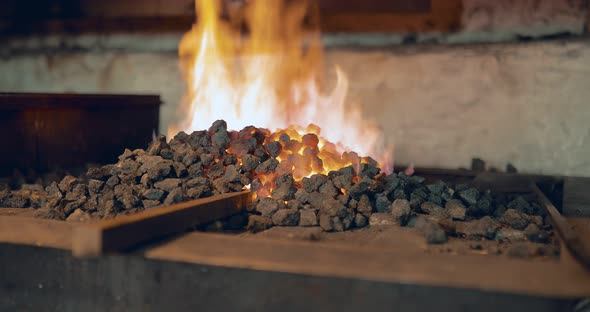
(578, 248)
(35, 232)
(400, 16)
(124, 232)
(487, 273)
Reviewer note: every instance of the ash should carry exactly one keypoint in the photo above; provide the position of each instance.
(288, 173)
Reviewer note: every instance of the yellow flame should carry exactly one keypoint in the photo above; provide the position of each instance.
(268, 78)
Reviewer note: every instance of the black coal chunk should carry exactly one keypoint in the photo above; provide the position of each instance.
(258, 223)
(286, 217)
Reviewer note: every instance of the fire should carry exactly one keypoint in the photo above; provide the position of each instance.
(271, 77)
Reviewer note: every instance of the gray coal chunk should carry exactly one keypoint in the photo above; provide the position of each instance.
(268, 166)
(515, 219)
(158, 145)
(469, 196)
(221, 185)
(230, 159)
(329, 224)
(332, 207)
(364, 205)
(67, 183)
(415, 203)
(199, 139)
(435, 199)
(99, 173)
(360, 188)
(175, 196)
(499, 211)
(342, 182)
(382, 203)
(155, 167)
(294, 204)
(400, 210)
(328, 188)
(286, 217)
(400, 194)
(221, 139)
(353, 204)
(285, 187)
(521, 205)
(360, 220)
(379, 218)
(433, 232)
(437, 188)
(478, 165)
(258, 223)
(535, 234)
(267, 206)
(206, 159)
(153, 194)
(191, 157)
(313, 183)
(129, 201)
(485, 227)
(217, 126)
(53, 190)
(308, 217)
(456, 210)
(180, 169)
(198, 191)
(126, 167)
(123, 189)
(509, 234)
(78, 193)
(273, 148)
(216, 170)
(199, 181)
(343, 198)
(168, 184)
(17, 200)
(250, 162)
(315, 199)
(419, 193)
(95, 186)
(368, 170)
(434, 210)
(231, 174)
(261, 152)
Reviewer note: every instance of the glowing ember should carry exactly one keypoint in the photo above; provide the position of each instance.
(271, 78)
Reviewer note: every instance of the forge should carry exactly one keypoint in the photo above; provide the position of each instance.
(268, 183)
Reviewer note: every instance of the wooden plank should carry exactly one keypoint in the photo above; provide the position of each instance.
(35, 232)
(488, 273)
(124, 232)
(576, 197)
(578, 248)
(398, 16)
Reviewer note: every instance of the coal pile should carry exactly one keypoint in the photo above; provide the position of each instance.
(300, 180)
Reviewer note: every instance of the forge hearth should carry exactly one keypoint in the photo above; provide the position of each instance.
(292, 187)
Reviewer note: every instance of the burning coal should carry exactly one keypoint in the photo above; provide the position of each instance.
(271, 77)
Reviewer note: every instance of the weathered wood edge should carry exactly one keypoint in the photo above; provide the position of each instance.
(539, 278)
(572, 241)
(93, 239)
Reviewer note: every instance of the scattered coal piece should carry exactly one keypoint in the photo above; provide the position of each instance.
(511, 235)
(379, 218)
(535, 234)
(515, 219)
(485, 227)
(433, 233)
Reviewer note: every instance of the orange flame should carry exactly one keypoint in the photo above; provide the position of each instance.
(269, 78)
